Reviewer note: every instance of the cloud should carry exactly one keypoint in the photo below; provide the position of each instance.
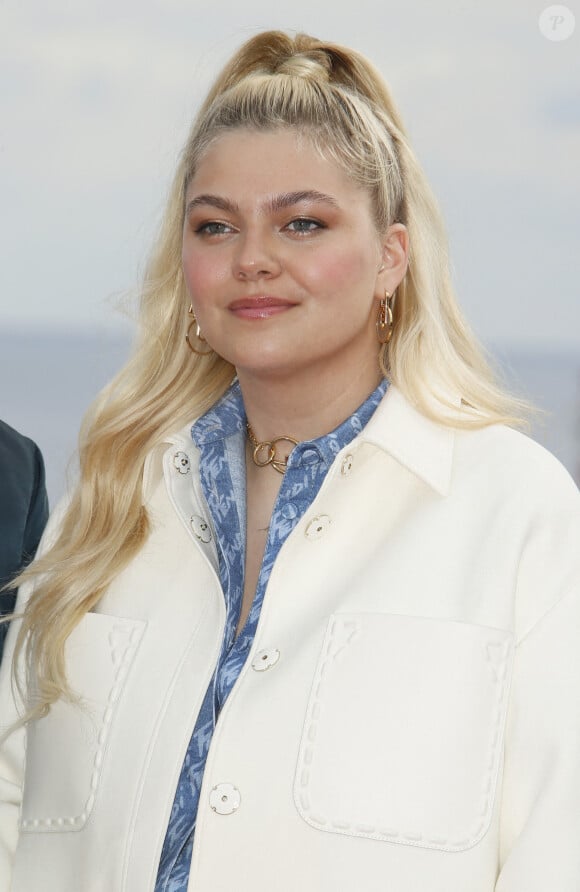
(97, 99)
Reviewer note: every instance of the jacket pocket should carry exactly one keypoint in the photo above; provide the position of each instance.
(404, 730)
(66, 750)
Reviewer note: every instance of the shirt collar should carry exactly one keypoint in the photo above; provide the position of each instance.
(228, 417)
(327, 447)
(422, 446)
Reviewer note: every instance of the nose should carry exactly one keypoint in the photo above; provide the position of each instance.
(256, 257)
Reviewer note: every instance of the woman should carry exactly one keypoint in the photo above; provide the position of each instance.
(310, 619)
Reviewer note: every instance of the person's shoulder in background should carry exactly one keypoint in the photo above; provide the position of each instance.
(23, 509)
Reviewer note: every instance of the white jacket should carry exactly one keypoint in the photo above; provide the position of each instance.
(408, 717)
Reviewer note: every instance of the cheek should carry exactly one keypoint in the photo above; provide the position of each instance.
(335, 271)
(201, 274)
(190, 268)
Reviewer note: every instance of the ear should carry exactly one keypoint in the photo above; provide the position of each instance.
(394, 258)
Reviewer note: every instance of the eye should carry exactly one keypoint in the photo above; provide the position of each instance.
(304, 226)
(213, 227)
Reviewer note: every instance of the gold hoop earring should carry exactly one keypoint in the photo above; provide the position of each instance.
(385, 318)
(198, 335)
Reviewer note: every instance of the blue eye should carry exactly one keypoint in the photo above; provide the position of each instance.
(213, 227)
(304, 226)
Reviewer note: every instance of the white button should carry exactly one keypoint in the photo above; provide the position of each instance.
(225, 799)
(265, 658)
(201, 528)
(346, 466)
(181, 462)
(318, 526)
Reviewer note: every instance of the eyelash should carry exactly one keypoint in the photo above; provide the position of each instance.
(215, 227)
(301, 232)
(204, 228)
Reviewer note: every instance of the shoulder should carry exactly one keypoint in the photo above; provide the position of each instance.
(516, 463)
(15, 448)
(523, 496)
(23, 497)
(22, 472)
(528, 504)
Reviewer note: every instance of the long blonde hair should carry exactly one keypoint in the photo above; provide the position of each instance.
(337, 99)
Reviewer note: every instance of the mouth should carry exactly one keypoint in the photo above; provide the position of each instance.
(259, 306)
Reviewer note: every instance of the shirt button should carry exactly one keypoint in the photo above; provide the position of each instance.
(288, 511)
(309, 457)
(265, 659)
(346, 466)
(181, 462)
(200, 528)
(317, 526)
(225, 799)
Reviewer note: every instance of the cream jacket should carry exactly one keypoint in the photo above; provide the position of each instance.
(408, 717)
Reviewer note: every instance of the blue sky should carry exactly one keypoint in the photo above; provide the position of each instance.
(96, 99)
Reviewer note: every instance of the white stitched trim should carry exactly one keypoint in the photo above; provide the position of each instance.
(339, 637)
(121, 653)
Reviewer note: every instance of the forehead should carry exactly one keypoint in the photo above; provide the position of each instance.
(247, 162)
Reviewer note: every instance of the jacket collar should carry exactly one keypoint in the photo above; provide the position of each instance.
(422, 446)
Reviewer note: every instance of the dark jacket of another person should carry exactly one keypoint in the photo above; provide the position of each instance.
(23, 510)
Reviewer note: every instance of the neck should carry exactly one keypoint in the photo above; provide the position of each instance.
(291, 405)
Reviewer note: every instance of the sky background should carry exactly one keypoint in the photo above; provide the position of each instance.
(96, 99)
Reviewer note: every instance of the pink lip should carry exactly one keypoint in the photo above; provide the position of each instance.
(259, 306)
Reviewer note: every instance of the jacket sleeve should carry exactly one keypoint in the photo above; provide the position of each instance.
(12, 746)
(540, 813)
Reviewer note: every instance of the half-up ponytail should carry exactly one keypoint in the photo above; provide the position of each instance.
(275, 52)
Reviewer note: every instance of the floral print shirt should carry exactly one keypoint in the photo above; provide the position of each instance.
(220, 435)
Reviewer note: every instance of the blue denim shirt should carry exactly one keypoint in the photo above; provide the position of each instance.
(220, 435)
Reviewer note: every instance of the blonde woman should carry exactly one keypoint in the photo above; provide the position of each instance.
(310, 619)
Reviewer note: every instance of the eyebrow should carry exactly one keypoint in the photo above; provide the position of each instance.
(276, 203)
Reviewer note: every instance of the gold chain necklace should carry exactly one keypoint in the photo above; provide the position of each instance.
(265, 453)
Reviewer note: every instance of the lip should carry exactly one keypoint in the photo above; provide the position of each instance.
(259, 306)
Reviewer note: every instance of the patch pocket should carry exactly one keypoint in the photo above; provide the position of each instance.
(404, 730)
(66, 749)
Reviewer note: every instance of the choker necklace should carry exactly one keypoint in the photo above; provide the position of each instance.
(265, 453)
